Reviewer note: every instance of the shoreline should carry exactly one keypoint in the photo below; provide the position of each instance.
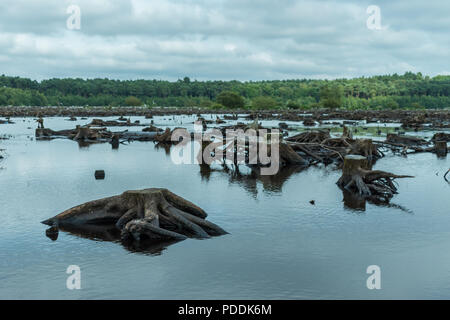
(294, 115)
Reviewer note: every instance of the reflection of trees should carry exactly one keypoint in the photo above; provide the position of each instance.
(109, 232)
(271, 183)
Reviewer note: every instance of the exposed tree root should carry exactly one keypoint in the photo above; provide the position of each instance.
(356, 177)
(316, 136)
(152, 214)
(88, 135)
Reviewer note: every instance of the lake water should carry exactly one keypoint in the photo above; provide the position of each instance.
(279, 247)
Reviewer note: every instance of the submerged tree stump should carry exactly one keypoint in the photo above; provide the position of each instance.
(85, 133)
(440, 148)
(356, 177)
(165, 137)
(155, 214)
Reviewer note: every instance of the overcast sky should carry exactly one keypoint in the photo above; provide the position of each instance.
(223, 39)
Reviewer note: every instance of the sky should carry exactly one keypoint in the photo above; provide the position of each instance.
(223, 39)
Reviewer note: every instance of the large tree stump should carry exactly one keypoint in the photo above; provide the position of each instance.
(155, 214)
(368, 183)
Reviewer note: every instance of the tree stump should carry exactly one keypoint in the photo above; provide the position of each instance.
(85, 133)
(366, 148)
(115, 141)
(165, 137)
(289, 156)
(368, 183)
(440, 148)
(155, 214)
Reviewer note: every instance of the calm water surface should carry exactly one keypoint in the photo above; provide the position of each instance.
(279, 247)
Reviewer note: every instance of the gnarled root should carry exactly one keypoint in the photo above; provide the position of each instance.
(356, 177)
(155, 214)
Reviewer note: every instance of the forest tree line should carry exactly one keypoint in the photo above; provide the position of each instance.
(410, 90)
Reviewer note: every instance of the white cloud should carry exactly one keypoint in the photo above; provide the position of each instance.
(222, 39)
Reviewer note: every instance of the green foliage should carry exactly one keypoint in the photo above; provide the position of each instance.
(293, 105)
(331, 96)
(20, 97)
(264, 102)
(132, 101)
(216, 106)
(390, 91)
(230, 99)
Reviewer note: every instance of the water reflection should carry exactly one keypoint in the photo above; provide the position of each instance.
(109, 232)
(249, 180)
(355, 202)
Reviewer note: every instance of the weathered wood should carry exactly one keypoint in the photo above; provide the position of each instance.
(440, 147)
(356, 177)
(155, 214)
(405, 140)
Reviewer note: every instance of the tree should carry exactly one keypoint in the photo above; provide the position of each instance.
(230, 99)
(331, 96)
(293, 104)
(264, 102)
(133, 101)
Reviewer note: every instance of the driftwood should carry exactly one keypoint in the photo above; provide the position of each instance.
(404, 144)
(356, 177)
(319, 146)
(406, 140)
(88, 135)
(122, 122)
(310, 136)
(149, 214)
(152, 128)
(441, 136)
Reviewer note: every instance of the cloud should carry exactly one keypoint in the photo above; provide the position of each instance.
(222, 39)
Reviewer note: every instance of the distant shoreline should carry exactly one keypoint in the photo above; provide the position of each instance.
(429, 115)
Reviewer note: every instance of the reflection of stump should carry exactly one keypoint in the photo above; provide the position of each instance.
(357, 178)
(155, 214)
(354, 201)
(440, 148)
